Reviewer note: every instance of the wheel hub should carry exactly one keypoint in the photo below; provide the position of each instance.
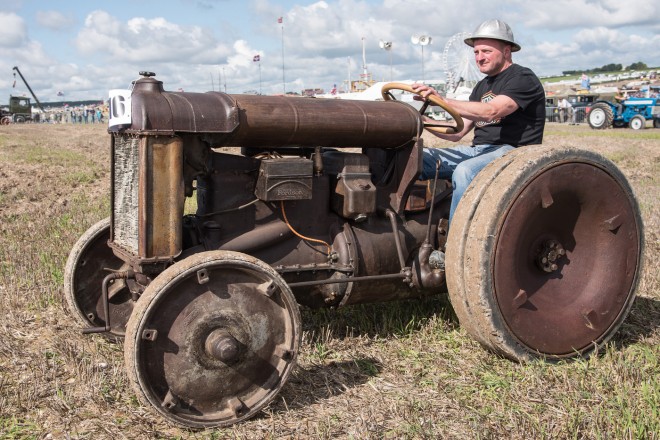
(221, 345)
(549, 255)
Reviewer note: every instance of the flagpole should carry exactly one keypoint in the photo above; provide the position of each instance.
(281, 21)
(257, 59)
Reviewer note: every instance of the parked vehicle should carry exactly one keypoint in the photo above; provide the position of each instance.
(633, 112)
(20, 107)
(18, 111)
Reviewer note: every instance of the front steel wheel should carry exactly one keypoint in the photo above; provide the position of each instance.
(213, 339)
(549, 254)
(91, 260)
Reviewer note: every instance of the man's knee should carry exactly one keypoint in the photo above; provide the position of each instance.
(463, 175)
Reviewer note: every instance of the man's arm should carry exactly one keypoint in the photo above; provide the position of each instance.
(467, 127)
(497, 108)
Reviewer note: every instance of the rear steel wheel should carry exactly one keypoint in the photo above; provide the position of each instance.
(550, 254)
(460, 227)
(91, 260)
(213, 339)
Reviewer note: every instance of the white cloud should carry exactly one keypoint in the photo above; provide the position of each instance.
(144, 40)
(13, 31)
(560, 14)
(321, 39)
(55, 20)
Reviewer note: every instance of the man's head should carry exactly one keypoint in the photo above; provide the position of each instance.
(492, 56)
(493, 44)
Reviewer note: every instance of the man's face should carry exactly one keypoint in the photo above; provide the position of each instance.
(491, 55)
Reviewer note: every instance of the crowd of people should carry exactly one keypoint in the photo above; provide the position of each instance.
(74, 115)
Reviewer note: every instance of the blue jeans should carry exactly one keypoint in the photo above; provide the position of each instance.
(460, 164)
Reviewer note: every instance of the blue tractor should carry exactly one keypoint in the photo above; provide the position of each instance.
(632, 112)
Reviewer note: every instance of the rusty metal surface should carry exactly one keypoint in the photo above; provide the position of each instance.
(213, 339)
(160, 197)
(272, 121)
(155, 110)
(578, 219)
(277, 120)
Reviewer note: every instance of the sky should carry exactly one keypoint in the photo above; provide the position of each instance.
(79, 50)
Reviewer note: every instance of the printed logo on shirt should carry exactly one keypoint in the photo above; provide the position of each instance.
(487, 97)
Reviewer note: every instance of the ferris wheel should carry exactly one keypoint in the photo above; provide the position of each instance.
(458, 63)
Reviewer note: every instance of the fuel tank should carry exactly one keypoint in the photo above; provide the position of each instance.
(272, 121)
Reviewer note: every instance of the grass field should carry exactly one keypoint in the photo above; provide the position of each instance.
(397, 370)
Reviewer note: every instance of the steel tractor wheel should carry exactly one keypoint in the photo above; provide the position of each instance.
(544, 254)
(6, 120)
(600, 116)
(212, 339)
(89, 262)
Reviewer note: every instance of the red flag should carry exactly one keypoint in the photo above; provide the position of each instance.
(256, 58)
(279, 20)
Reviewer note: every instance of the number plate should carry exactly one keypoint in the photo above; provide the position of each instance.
(120, 107)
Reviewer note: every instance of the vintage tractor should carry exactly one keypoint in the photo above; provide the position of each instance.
(632, 112)
(317, 203)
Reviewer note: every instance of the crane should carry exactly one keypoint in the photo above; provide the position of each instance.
(29, 88)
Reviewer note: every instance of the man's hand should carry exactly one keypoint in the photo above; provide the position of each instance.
(423, 92)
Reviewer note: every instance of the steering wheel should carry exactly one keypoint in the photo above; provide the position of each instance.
(432, 99)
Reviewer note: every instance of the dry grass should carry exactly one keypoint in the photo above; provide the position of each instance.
(401, 370)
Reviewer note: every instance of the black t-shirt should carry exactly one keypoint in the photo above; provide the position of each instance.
(525, 125)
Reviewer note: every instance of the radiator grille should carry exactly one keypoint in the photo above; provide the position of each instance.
(125, 187)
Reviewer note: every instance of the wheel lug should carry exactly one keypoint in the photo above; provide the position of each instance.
(221, 345)
(548, 255)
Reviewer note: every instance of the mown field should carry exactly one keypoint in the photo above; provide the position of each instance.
(398, 370)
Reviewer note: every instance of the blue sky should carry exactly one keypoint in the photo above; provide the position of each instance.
(85, 48)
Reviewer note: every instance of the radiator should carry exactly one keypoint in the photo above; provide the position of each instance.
(125, 186)
(147, 196)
